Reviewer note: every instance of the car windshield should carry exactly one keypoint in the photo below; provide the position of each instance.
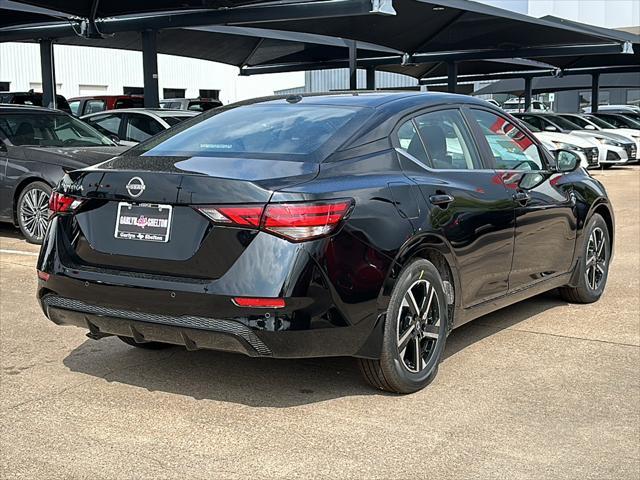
(50, 130)
(620, 121)
(174, 120)
(255, 130)
(531, 127)
(599, 122)
(564, 123)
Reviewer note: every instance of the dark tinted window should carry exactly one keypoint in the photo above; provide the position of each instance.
(581, 122)
(50, 130)
(174, 120)
(447, 140)
(109, 124)
(93, 106)
(259, 130)
(140, 127)
(564, 123)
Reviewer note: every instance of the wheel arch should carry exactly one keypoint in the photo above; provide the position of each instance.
(603, 208)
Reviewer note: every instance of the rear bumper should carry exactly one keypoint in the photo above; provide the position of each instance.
(196, 333)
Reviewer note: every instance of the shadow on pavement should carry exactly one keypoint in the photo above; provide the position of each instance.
(7, 230)
(263, 382)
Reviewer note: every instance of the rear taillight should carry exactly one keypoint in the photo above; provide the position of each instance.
(304, 221)
(60, 203)
(253, 302)
(295, 221)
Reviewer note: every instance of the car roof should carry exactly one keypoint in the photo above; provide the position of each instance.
(104, 97)
(13, 108)
(158, 112)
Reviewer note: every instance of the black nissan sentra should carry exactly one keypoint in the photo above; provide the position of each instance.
(365, 225)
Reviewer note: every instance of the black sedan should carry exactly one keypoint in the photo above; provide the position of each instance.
(37, 147)
(364, 225)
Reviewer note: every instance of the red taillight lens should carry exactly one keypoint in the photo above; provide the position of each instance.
(60, 203)
(294, 221)
(238, 215)
(43, 275)
(259, 302)
(304, 221)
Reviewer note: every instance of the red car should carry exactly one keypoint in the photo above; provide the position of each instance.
(86, 105)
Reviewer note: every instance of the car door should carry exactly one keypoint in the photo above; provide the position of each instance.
(545, 229)
(5, 187)
(472, 211)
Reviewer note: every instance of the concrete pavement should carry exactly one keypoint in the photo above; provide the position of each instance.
(542, 389)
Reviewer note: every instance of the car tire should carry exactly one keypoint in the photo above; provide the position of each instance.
(32, 211)
(399, 369)
(592, 276)
(606, 166)
(146, 345)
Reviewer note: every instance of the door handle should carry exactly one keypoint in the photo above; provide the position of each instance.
(522, 197)
(441, 200)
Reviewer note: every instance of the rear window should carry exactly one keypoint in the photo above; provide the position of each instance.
(173, 120)
(255, 130)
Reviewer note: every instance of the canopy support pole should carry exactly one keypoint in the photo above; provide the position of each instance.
(353, 65)
(150, 68)
(528, 90)
(452, 77)
(595, 92)
(48, 70)
(371, 78)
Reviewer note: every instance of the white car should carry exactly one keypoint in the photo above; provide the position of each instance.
(587, 150)
(134, 125)
(615, 149)
(597, 124)
(517, 105)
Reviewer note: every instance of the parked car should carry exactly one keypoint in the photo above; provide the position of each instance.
(32, 98)
(86, 105)
(617, 150)
(517, 105)
(618, 120)
(134, 125)
(591, 122)
(615, 109)
(196, 104)
(588, 150)
(37, 147)
(364, 225)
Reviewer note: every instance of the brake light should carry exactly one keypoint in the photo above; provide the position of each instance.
(294, 221)
(60, 203)
(304, 221)
(259, 302)
(238, 215)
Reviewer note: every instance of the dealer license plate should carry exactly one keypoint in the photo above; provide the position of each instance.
(145, 222)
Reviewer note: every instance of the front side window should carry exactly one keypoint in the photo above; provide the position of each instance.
(447, 140)
(74, 106)
(50, 130)
(141, 127)
(511, 148)
(107, 123)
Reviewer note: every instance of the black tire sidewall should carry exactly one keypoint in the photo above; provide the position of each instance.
(595, 221)
(404, 380)
(31, 186)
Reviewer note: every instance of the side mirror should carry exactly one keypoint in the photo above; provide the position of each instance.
(114, 138)
(3, 147)
(589, 127)
(567, 161)
(550, 128)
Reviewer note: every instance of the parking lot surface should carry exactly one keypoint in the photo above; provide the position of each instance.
(542, 389)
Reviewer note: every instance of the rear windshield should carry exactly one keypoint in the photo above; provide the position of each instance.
(50, 130)
(255, 130)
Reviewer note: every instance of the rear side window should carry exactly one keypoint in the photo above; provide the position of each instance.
(257, 130)
(511, 148)
(410, 141)
(93, 106)
(74, 106)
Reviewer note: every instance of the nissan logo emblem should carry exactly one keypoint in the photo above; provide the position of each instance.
(135, 187)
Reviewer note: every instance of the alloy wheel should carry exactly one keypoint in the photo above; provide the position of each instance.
(34, 212)
(596, 259)
(418, 326)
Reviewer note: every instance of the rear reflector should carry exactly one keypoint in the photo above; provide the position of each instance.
(259, 302)
(43, 275)
(60, 203)
(295, 221)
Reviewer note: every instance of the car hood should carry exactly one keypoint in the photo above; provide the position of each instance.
(628, 133)
(75, 157)
(601, 135)
(579, 141)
